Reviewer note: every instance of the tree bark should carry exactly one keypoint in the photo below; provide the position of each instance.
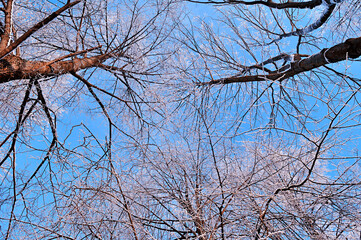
(351, 48)
(15, 68)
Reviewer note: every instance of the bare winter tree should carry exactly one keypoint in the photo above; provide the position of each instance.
(60, 62)
(133, 120)
(277, 122)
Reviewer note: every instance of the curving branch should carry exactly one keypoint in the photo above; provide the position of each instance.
(330, 6)
(300, 32)
(269, 3)
(351, 48)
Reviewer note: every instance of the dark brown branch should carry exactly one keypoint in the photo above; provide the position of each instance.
(351, 48)
(19, 122)
(269, 3)
(5, 36)
(35, 28)
(14, 68)
(317, 24)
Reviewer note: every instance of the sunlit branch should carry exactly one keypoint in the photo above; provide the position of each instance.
(35, 28)
(351, 48)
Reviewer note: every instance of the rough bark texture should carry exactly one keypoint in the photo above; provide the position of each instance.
(15, 68)
(351, 48)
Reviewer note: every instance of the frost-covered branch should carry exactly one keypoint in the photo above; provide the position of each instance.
(351, 48)
(7, 49)
(317, 24)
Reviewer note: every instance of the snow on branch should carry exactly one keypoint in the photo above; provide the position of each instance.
(351, 48)
(303, 31)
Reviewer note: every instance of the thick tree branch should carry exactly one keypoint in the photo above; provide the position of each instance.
(14, 68)
(35, 28)
(351, 48)
(5, 37)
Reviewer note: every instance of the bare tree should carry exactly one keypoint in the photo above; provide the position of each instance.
(284, 114)
(133, 120)
(62, 61)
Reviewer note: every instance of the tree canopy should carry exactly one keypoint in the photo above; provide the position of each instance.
(147, 119)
